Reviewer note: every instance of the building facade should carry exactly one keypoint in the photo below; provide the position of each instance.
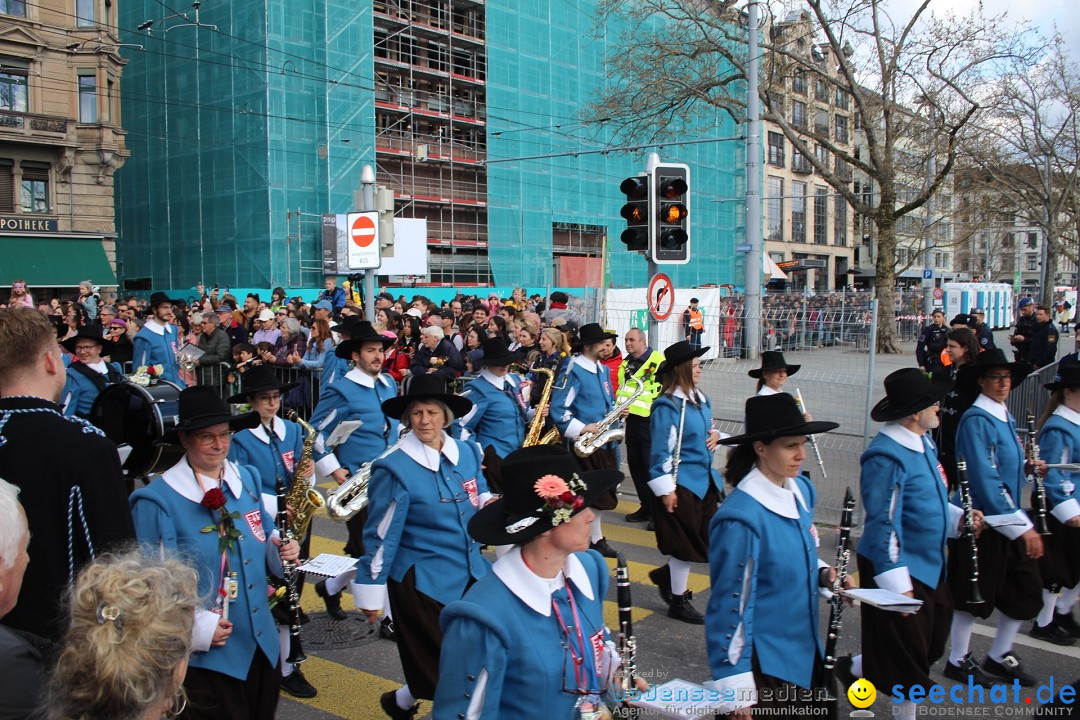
(61, 140)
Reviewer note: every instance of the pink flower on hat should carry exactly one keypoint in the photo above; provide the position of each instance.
(550, 487)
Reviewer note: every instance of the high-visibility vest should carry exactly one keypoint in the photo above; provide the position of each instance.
(642, 405)
(696, 320)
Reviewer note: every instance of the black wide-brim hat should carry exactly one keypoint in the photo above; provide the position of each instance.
(360, 333)
(257, 380)
(773, 416)
(201, 407)
(908, 391)
(519, 515)
(967, 377)
(497, 353)
(773, 360)
(677, 354)
(90, 332)
(426, 388)
(158, 298)
(1068, 376)
(592, 333)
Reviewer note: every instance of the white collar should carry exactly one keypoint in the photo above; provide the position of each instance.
(998, 410)
(426, 456)
(534, 590)
(1068, 413)
(155, 327)
(259, 430)
(678, 392)
(181, 478)
(99, 367)
(585, 363)
(903, 436)
(766, 390)
(780, 500)
(360, 377)
(497, 382)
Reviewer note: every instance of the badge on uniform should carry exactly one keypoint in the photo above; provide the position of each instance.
(941, 473)
(470, 489)
(254, 521)
(813, 534)
(599, 647)
(289, 459)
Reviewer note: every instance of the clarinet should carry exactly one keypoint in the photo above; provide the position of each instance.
(974, 596)
(1038, 497)
(627, 643)
(843, 557)
(296, 649)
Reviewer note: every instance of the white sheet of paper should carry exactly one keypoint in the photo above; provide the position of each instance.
(328, 565)
(884, 599)
(679, 699)
(342, 432)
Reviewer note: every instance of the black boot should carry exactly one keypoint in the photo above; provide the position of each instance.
(333, 602)
(297, 685)
(1067, 622)
(661, 577)
(681, 609)
(388, 702)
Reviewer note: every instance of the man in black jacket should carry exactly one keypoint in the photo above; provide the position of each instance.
(68, 473)
(217, 348)
(1025, 328)
(1044, 340)
(931, 342)
(982, 331)
(437, 355)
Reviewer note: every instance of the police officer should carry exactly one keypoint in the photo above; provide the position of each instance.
(982, 330)
(641, 362)
(1025, 328)
(932, 341)
(1043, 348)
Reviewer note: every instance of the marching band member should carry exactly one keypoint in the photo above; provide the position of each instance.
(762, 618)
(773, 373)
(422, 497)
(1059, 442)
(358, 396)
(641, 363)
(682, 476)
(156, 343)
(233, 671)
(528, 640)
(1008, 572)
(273, 448)
(908, 519)
(90, 375)
(581, 399)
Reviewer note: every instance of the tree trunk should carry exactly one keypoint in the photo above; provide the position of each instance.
(888, 340)
(1047, 291)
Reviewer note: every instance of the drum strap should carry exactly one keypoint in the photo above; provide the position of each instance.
(100, 381)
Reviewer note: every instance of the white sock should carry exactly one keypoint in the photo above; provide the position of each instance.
(905, 711)
(597, 531)
(1067, 599)
(284, 641)
(960, 636)
(1047, 613)
(335, 585)
(1007, 628)
(404, 697)
(856, 665)
(680, 575)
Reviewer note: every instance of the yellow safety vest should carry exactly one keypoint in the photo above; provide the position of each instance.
(642, 406)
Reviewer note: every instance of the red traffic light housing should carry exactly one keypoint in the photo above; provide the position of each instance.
(637, 212)
(671, 240)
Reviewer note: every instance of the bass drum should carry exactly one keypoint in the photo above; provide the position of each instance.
(139, 416)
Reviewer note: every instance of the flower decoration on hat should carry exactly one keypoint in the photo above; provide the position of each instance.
(561, 498)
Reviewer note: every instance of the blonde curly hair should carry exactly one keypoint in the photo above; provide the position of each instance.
(131, 617)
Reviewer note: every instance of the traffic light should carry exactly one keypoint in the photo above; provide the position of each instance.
(671, 241)
(637, 212)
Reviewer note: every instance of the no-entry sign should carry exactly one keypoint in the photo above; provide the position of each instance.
(363, 244)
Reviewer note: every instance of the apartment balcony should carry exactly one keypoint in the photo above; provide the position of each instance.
(32, 128)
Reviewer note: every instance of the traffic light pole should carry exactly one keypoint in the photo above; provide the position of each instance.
(752, 306)
(652, 268)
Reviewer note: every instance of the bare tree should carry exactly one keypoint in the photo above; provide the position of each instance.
(916, 85)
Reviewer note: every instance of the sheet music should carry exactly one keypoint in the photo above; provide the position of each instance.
(342, 432)
(328, 565)
(884, 599)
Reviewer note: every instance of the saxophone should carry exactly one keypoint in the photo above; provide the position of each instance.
(589, 442)
(302, 499)
(352, 495)
(533, 436)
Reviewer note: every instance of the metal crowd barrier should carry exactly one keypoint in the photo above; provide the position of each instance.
(1031, 396)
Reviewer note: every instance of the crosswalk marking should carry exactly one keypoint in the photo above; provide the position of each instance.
(347, 692)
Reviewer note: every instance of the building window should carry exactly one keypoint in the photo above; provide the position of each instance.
(34, 195)
(798, 83)
(822, 154)
(110, 98)
(84, 13)
(901, 256)
(776, 149)
(840, 220)
(821, 90)
(13, 88)
(842, 98)
(798, 212)
(13, 7)
(798, 114)
(821, 122)
(87, 97)
(1032, 241)
(1032, 262)
(7, 186)
(821, 216)
(841, 128)
(799, 163)
(1007, 240)
(775, 207)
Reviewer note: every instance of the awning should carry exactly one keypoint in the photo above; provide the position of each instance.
(49, 261)
(772, 272)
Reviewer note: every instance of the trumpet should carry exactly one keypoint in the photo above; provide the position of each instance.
(352, 496)
(813, 440)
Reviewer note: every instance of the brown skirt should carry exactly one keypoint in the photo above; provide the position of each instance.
(602, 459)
(1060, 563)
(776, 697)
(1008, 579)
(418, 635)
(684, 533)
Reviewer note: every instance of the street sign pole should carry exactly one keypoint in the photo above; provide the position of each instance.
(652, 268)
(367, 187)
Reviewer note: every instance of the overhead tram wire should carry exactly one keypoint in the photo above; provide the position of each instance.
(609, 150)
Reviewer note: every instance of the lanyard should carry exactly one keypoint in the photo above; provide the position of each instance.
(580, 679)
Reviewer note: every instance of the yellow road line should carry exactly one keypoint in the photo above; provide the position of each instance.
(348, 693)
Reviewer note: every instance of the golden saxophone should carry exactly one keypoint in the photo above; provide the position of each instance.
(352, 495)
(589, 442)
(303, 500)
(533, 436)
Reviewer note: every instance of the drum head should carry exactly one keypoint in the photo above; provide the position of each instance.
(139, 416)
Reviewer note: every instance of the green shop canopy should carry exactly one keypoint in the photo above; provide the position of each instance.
(44, 261)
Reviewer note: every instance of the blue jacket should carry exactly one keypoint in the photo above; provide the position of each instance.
(357, 396)
(502, 651)
(764, 601)
(333, 369)
(495, 419)
(908, 516)
(986, 438)
(152, 348)
(582, 395)
(695, 461)
(335, 297)
(1059, 442)
(419, 509)
(253, 447)
(80, 392)
(167, 513)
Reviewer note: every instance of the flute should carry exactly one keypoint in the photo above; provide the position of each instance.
(974, 596)
(843, 557)
(813, 440)
(1038, 497)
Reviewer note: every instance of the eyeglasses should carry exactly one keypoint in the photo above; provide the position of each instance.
(207, 439)
(997, 378)
(268, 397)
(84, 348)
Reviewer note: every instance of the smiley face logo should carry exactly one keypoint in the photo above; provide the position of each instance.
(862, 693)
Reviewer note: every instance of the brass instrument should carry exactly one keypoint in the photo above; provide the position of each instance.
(589, 442)
(1038, 496)
(532, 435)
(352, 495)
(303, 500)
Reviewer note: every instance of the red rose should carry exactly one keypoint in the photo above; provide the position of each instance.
(567, 496)
(213, 499)
(151, 371)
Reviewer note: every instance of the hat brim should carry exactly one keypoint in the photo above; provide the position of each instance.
(807, 428)
(967, 378)
(886, 411)
(395, 406)
(500, 360)
(244, 421)
(345, 348)
(489, 525)
(1060, 385)
(666, 366)
(241, 397)
(596, 339)
(756, 372)
(107, 346)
